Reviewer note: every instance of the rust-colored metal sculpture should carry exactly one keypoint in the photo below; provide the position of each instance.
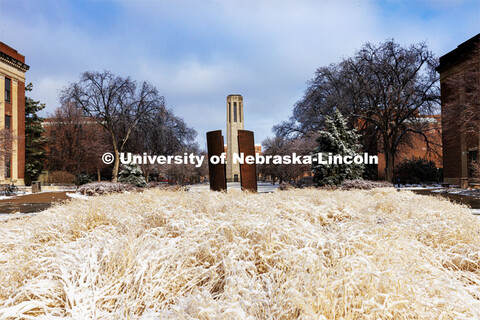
(217, 172)
(248, 174)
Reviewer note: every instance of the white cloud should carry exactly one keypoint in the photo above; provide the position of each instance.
(197, 53)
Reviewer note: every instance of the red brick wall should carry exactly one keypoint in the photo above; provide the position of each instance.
(11, 52)
(452, 149)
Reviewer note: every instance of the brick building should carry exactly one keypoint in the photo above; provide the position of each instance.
(12, 114)
(459, 148)
(417, 147)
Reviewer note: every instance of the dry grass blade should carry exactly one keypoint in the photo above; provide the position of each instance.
(307, 254)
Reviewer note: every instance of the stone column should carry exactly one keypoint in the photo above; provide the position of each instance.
(248, 172)
(216, 171)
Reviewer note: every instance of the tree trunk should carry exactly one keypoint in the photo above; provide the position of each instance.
(99, 177)
(116, 154)
(389, 165)
(116, 164)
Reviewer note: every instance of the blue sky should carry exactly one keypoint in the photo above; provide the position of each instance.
(198, 52)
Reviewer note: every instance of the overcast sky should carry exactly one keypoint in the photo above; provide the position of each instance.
(198, 52)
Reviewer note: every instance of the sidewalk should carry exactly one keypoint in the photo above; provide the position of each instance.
(31, 202)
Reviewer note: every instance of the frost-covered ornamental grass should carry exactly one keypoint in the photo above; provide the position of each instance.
(309, 254)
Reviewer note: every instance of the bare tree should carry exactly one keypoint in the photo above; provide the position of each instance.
(116, 103)
(162, 133)
(386, 89)
(272, 146)
(76, 143)
(186, 172)
(281, 146)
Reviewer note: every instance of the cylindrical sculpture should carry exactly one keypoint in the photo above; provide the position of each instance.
(216, 171)
(248, 174)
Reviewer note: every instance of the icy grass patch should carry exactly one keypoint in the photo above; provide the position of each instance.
(310, 254)
(9, 216)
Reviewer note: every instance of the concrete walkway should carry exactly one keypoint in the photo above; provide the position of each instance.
(262, 187)
(31, 202)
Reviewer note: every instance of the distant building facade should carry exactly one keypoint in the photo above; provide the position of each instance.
(12, 114)
(417, 147)
(234, 123)
(459, 150)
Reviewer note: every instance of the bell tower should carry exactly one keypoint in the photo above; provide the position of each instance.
(234, 123)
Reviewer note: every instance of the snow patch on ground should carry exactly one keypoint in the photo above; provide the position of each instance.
(463, 192)
(6, 197)
(419, 188)
(78, 196)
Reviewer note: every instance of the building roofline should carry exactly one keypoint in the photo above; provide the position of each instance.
(13, 62)
(12, 57)
(459, 54)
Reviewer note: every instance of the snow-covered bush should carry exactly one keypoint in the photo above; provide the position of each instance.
(418, 170)
(305, 182)
(165, 186)
(285, 186)
(100, 188)
(364, 184)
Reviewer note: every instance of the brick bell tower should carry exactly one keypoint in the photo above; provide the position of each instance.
(234, 123)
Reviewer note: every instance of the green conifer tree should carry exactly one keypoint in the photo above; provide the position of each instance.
(35, 140)
(336, 139)
(132, 174)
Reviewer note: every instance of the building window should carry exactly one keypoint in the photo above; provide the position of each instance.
(8, 168)
(8, 89)
(229, 112)
(240, 112)
(234, 112)
(8, 122)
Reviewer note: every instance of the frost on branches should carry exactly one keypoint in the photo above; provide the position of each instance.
(337, 139)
